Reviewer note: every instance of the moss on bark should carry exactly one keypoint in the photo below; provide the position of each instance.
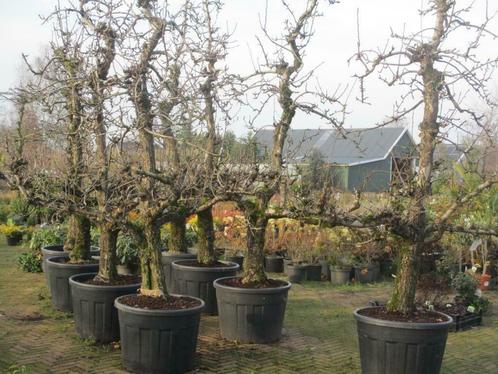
(205, 245)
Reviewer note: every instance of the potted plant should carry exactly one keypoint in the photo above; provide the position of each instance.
(252, 307)
(413, 215)
(13, 233)
(341, 265)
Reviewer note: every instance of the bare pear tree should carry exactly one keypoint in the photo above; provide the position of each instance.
(281, 77)
(439, 76)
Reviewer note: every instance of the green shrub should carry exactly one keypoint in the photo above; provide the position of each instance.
(30, 262)
(465, 286)
(47, 235)
(127, 250)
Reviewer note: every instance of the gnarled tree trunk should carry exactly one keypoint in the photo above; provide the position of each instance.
(205, 245)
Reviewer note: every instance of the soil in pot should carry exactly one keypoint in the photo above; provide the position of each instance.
(367, 273)
(274, 264)
(396, 343)
(340, 274)
(296, 272)
(94, 313)
(248, 314)
(165, 329)
(58, 271)
(167, 259)
(313, 272)
(195, 279)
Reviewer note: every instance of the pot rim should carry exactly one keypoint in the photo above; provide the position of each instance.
(298, 266)
(277, 257)
(166, 253)
(340, 268)
(177, 265)
(160, 312)
(253, 291)
(74, 281)
(402, 325)
(67, 265)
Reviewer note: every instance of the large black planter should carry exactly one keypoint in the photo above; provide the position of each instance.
(49, 251)
(296, 272)
(93, 307)
(198, 282)
(367, 273)
(274, 264)
(167, 259)
(340, 275)
(388, 347)
(313, 272)
(58, 274)
(158, 341)
(251, 315)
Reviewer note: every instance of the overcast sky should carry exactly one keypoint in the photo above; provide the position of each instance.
(21, 31)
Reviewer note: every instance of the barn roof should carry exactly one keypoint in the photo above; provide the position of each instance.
(346, 147)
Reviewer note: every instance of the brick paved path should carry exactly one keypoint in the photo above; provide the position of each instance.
(319, 336)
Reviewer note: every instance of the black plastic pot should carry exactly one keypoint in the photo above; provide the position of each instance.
(238, 259)
(158, 341)
(340, 275)
(49, 251)
(313, 272)
(367, 273)
(388, 347)
(325, 269)
(198, 282)
(93, 307)
(58, 274)
(13, 240)
(274, 264)
(296, 272)
(251, 315)
(167, 259)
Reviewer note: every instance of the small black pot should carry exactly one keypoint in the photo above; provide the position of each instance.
(313, 272)
(58, 274)
(367, 273)
(325, 269)
(296, 272)
(93, 306)
(13, 240)
(238, 259)
(198, 282)
(251, 315)
(274, 264)
(167, 259)
(158, 341)
(340, 275)
(388, 347)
